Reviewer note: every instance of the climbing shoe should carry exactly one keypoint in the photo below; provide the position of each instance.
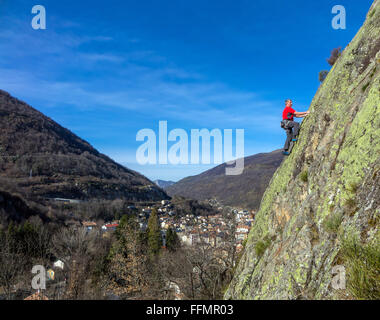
(294, 140)
(285, 153)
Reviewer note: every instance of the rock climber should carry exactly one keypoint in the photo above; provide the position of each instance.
(292, 128)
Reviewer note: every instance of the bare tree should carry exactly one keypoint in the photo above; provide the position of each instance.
(76, 248)
(12, 263)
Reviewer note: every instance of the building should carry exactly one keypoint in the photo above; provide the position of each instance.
(242, 229)
(74, 201)
(241, 235)
(239, 247)
(37, 296)
(89, 225)
(59, 264)
(110, 227)
(176, 290)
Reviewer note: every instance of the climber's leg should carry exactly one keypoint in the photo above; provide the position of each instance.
(289, 136)
(296, 129)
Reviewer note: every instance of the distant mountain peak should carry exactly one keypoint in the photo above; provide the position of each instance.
(163, 183)
(243, 190)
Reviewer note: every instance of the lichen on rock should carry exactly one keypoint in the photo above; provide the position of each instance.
(306, 219)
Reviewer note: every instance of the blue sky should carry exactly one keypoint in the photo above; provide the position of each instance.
(106, 69)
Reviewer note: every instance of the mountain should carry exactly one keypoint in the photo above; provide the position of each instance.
(316, 235)
(43, 159)
(164, 184)
(243, 191)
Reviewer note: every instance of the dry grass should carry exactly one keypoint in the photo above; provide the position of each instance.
(332, 222)
(362, 262)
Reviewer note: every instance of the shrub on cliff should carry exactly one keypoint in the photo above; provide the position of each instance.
(335, 54)
(261, 246)
(322, 75)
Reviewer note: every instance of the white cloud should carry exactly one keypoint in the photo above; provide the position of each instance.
(95, 57)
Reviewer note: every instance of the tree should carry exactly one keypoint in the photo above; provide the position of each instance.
(154, 234)
(335, 54)
(127, 272)
(12, 261)
(76, 248)
(172, 240)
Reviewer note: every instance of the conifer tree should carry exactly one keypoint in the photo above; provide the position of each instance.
(172, 240)
(154, 234)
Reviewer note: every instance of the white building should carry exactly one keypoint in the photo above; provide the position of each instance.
(59, 264)
(242, 229)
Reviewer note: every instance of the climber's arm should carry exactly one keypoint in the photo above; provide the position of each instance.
(301, 114)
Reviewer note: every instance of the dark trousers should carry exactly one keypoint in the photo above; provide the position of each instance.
(292, 130)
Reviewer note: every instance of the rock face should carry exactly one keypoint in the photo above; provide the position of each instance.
(326, 191)
(244, 191)
(40, 158)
